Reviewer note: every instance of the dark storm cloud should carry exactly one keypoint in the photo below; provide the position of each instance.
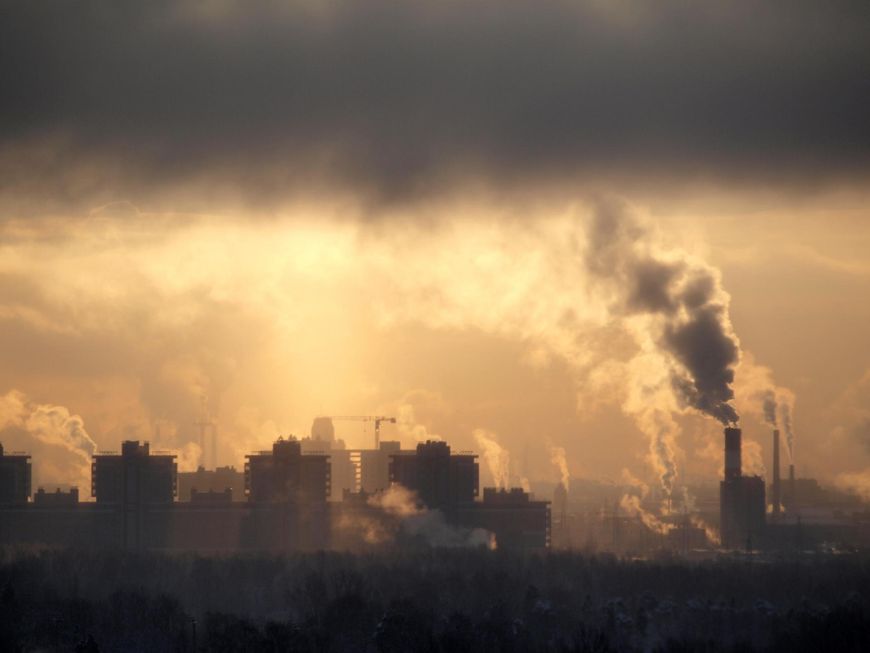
(400, 99)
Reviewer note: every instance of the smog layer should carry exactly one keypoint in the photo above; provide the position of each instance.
(578, 238)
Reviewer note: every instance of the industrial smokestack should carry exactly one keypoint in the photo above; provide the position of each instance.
(792, 499)
(777, 495)
(732, 453)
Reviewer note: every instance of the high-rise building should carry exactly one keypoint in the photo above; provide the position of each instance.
(134, 484)
(342, 470)
(134, 477)
(440, 479)
(284, 474)
(14, 478)
(375, 466)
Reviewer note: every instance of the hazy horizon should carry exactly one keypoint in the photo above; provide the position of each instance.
(584, 225)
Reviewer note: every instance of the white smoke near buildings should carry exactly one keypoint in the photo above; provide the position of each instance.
(713, 535)
(785, 415)
(757, 391)
(631, 503)
(408, 426)
(189, 457)
(51, 433)
(753, 458)
(637, 323)
(606, 274)
(560, 460)
(855, 482)
(496, 457)
(418, 522)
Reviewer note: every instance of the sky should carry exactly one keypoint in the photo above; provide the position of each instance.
(603, 227)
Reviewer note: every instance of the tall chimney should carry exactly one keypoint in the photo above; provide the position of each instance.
(792, 499)
(732, 453)
(777, 492)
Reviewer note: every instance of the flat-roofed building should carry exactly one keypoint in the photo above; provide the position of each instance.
(15, 478)
(440, 479)
(285, 474)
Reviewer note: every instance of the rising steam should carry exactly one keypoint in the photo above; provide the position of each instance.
(496, 457)
(757, 389)
(632, 500)
(558, 458)
(785, 410)
(29, 424)
(408, 518)
(635, 322)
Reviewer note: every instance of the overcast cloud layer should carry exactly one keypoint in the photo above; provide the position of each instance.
(162, 101)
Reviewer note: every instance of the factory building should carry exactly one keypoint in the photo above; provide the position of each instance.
(742, 507)
(14, 478)
(440, 479)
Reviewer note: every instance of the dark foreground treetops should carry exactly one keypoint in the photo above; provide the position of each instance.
(441, 600)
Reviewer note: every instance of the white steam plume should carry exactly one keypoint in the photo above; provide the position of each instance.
(600, 292)
(775, 404)
(27, 423)
(566, 290)
(559, 459)
(496, 457)
(785, 413)
(630, 503)
(416, 521)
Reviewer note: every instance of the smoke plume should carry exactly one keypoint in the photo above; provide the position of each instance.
(635, 322)
(855, 482)
(558, 458)
(27, 425)
(496, 457)
(415, 521)
(768, 406)
(758, 391)
(785, 410)
(631, 503)
(685, 307)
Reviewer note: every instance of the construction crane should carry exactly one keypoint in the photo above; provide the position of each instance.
(377, 419)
